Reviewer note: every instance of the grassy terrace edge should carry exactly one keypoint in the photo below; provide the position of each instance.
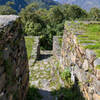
(87, 33)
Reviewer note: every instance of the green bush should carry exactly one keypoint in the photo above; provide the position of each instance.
(66, 74)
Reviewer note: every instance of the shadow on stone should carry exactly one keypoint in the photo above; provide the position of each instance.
(33, 94)
(72, 93)
(44, 56)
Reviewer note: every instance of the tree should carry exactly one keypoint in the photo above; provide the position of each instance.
(10, 3)
(6, 9)
(32, 7)
(55, 15)
(94, 14)
(42, 13)
(33, 24)
(64, 9)
(48, 23)
(28, 13)
(75, 12)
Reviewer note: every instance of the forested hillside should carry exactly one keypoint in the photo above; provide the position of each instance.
(19, 4)
(85, 4)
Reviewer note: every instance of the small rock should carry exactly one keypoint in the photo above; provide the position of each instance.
(31, 62)
(48, 69)
(73, 58)
(41, 68)
(80, 74)
(91, 90)
(97, 86)
(97, 62)
(90, 55)
(85, 65)
(36, 67)
(98, 74)
(35, 83)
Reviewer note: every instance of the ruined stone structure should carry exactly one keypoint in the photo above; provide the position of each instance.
(14, 71)
(83, 64)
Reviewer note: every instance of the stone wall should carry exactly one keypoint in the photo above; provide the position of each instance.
(35, 53)
(14, 71)
(57, 43)
(83, 64)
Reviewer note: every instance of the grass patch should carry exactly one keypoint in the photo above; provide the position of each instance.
(29, 44)
(96, 46)
(97, 51)
(60, 41)
(93, 28)
(98, 67)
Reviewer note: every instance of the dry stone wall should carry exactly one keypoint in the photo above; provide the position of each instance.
(57, 43)
(83, 64)
(35, 54)
(13, 60)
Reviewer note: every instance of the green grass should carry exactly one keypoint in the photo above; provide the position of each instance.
(94, 47)
(60, 41)
(98, 67)
(29, 44)
(97, 51)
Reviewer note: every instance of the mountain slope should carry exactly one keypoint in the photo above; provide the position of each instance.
(22, 3)
(85, 4)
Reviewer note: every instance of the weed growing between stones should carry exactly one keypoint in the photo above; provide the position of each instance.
(60, 41)
(66, 77)
(98, 67)
(69, 91)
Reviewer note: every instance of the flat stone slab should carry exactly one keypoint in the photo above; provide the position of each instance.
(7, 19)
